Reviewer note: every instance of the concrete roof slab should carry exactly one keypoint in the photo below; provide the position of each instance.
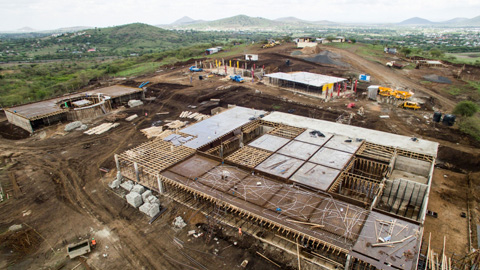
(269, 142)
(315, 176)
(331, 158)
(280, 165)
(298, 150)
(313, 139)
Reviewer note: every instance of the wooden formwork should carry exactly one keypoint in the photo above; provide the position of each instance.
(155, 156)
(285, 131)
(376, 151)
(249, 156)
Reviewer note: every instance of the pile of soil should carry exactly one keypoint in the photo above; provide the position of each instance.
(437, 79)
(328, 58)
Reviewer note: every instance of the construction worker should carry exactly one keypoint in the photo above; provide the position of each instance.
(94, 243)
(240, 231)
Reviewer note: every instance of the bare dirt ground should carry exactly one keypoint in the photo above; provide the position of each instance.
(59, 194)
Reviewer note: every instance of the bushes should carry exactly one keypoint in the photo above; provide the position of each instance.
(471, 126)
(465, 108)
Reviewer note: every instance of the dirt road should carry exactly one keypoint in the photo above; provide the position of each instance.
(390, 76)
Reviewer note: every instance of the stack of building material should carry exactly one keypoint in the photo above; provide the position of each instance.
(101, 128)
(150, 209)
(176, 124)
(73, 125)
(138, 189)
(152, 132)
(134, 199)
(134, 103)
(194, 115)
(127, 185)
(131, 117)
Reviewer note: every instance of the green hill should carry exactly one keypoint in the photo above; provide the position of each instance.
(135, 37)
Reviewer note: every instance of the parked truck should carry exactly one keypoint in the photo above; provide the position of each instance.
(410, 105)
(237, 78)
(195, 69)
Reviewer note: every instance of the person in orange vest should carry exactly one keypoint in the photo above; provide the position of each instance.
(240, 231)
(94, 242)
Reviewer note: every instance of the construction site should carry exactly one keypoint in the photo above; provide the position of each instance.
(297, 166)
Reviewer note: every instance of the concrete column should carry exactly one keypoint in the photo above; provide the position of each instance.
(221, 151)
(160, 185)
(348, 261)
(117, 162)
(137, 172)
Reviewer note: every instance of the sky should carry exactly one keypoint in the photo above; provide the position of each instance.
(53, 14)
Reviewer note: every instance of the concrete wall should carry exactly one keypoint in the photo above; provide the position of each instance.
(306, 44)
(19, 121)
(414, 166)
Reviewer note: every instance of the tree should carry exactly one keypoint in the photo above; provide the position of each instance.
(466, 108)
(436, 53)
(406, 51)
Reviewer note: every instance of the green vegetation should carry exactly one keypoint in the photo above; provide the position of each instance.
(470, 126)
(465, 108)
(23, 83)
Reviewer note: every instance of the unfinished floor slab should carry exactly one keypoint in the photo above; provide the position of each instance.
(401, 255)
(315, 176)
(344, 143)
(194, 166)
(269, 142)
(280, 165)
(298, 150)
(311, 136)
(331, 158)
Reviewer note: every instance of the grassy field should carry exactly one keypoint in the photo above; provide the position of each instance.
(467, 58)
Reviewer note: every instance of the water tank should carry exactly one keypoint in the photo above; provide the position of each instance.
(437, 116)
(448, 119)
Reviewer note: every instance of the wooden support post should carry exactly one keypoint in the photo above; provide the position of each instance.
(161, 189)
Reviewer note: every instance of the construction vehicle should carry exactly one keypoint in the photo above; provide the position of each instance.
(385, 91)
(195, 69)
(401, 94)
(237, 78)
(392, 64)
(410, 105)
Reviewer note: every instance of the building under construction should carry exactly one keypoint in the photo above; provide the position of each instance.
(312, 83)
(71, 107)
(349, 197)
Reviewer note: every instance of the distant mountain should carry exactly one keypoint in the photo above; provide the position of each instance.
(472, 22)
(457, 20)
(240, 21)
(186, 20)
(243, 22)
(416, 21)
(291, 20)
(26, 29)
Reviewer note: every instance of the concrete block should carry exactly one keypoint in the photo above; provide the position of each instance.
(138, 189)
(145, 207)
(115, 184)
(128, 185)
(153, 199)
(179, 223)
(134, 199)
(73, 125)
(146, 194)
(82, 127)
(154, 209)
(134, 103)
